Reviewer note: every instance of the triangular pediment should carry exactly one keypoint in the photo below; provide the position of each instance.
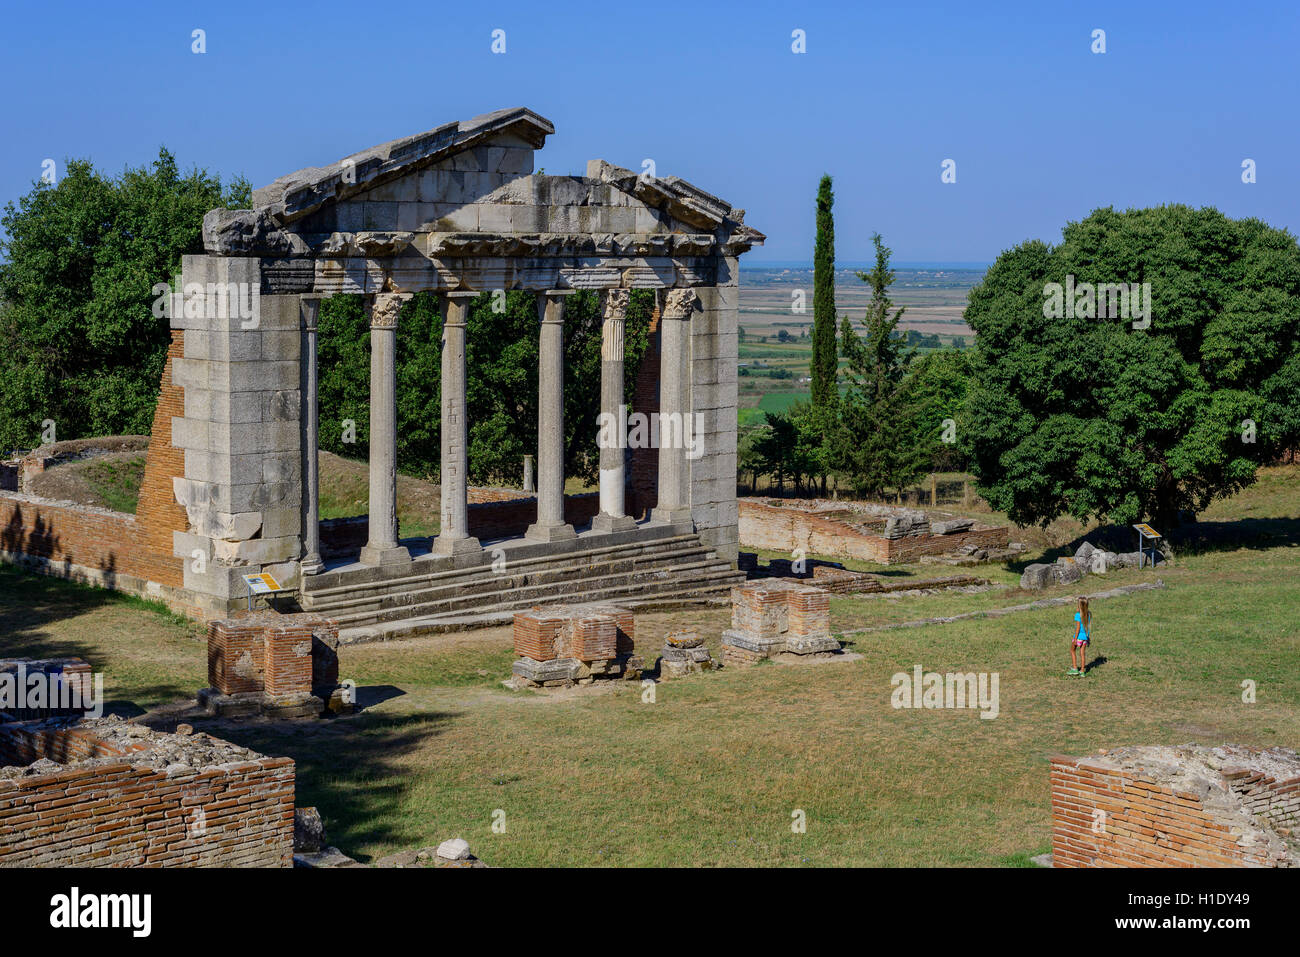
(469, 189)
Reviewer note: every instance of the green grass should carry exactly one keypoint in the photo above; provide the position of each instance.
(118, 483)
(710, 773)
(781, 401)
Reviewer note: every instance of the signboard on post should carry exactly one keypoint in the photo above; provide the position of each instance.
(1145, 533)
(261, 584)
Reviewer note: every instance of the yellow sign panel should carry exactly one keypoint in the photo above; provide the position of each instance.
(1147, 531)
(259, 584)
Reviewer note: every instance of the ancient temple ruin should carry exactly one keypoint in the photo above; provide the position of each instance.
(456, 211)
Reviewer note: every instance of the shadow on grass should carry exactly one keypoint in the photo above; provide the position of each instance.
(30, 603)
(352, 770)
(1095, 663)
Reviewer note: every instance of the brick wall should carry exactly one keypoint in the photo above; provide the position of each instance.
(1176, 807)
(157, 511)
(785, 529)
(115, 806)
(267, 651)
(130, 553)
(88, 544)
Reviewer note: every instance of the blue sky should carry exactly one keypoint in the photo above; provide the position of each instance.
(1042, 130)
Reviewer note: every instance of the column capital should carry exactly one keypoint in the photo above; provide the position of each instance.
(309, 312)
(678, 303)
(461, 294)
(457, 307)
(385, 308)
(616, 302)
(550, 304)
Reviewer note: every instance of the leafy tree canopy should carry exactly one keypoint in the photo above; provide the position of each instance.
(1093, 410)
(83, 346)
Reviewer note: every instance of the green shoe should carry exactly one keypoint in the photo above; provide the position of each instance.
(1073, 671)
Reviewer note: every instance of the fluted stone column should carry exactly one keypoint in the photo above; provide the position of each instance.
(550, 525)
(674, 354)
(454, 537)
(309, 310)
(383, 548)
(613, 415)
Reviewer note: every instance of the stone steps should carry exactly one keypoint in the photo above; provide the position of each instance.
(636, 597)
(483, 582)
(501, 591)
(356, 580)
(670, 570)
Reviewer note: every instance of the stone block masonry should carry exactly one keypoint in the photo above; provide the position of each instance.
(109, 793)
(1188, 806)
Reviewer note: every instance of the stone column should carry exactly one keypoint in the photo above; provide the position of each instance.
(528, 474)
(674, 353)
(454, 537)
(309, 309)
(550, 525)
(383, 548)
(613, 416)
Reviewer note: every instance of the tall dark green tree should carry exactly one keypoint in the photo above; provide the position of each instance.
(825, 360)
(84, 344)
(878, 445)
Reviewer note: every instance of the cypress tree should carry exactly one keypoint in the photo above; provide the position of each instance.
(824, 358)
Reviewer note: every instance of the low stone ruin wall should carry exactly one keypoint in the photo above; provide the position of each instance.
(1190, 806)
(109, 793)
(901, 539)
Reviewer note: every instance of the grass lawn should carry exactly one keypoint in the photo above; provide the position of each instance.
(711, 772)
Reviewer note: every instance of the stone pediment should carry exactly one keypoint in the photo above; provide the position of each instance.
(468, 189)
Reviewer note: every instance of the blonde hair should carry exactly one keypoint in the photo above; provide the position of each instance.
(1085, 616)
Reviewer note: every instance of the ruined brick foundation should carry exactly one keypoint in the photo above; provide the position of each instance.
(110, 793)
(777, 617)
(1188, 806)
(263, 662)
(564, 645)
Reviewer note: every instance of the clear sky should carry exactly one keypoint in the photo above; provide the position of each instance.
(1042, 129)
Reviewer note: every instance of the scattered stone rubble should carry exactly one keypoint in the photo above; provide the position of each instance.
(559, 646)
(684, 654)
(116, 740)
(1068, 570)
(453, 853)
